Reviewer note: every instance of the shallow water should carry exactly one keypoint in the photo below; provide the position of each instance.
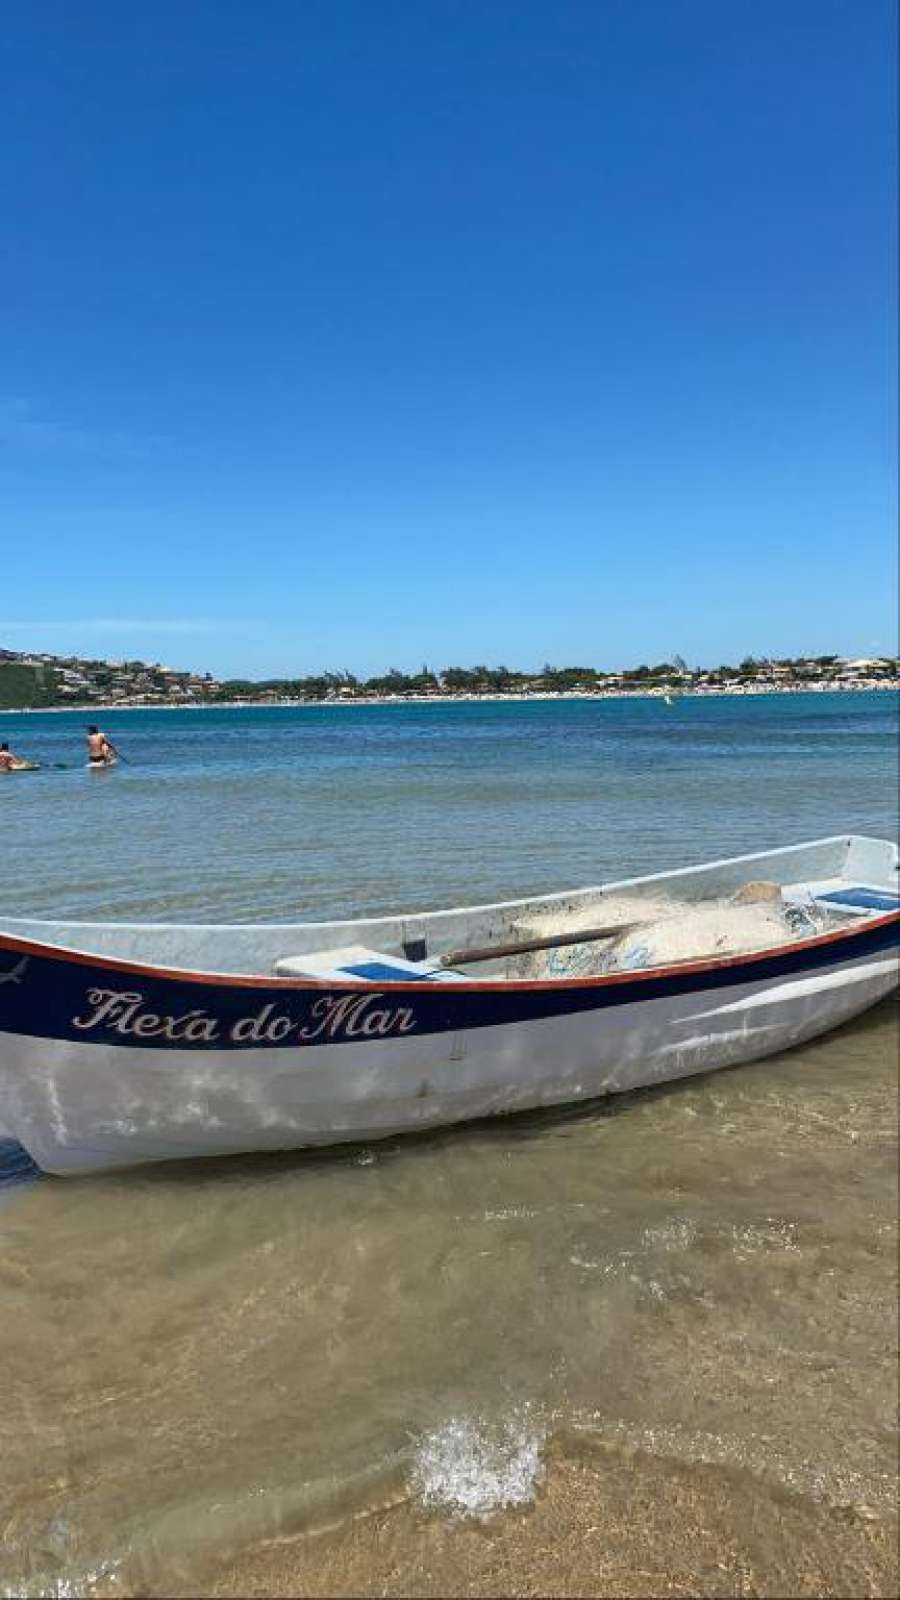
(323, 811)
(701, 1278)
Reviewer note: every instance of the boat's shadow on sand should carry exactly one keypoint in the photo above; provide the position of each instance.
(517, 1127)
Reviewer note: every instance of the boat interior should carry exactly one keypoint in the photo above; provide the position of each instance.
(751, 902)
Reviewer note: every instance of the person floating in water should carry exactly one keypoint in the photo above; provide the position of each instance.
(101, 751)
(13, 763)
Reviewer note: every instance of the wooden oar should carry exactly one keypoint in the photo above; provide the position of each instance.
(522, 947)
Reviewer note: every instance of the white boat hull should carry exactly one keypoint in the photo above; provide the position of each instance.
(86, 1106)
(126, 1044)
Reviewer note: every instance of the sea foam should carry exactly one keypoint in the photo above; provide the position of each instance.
(474, 1468)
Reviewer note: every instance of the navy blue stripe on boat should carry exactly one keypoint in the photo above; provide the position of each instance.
(862, 899)
(52, 997)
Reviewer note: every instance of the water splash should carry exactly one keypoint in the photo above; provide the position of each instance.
(474, 1468)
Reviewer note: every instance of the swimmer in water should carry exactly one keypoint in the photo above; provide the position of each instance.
(101, 753)
(13, 763)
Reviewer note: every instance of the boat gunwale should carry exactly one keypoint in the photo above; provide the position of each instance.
(411, 987)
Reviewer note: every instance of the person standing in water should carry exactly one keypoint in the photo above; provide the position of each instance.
(101, 753)
(13, 763)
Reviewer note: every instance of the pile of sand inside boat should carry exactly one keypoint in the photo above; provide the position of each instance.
(658, 932)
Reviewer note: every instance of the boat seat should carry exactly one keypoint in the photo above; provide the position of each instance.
(854, 900)
(357, 961)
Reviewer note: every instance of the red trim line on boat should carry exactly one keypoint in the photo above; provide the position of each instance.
(240, 980)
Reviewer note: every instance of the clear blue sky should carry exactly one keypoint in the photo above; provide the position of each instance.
(358, 333)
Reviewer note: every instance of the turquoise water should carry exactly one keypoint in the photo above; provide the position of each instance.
(238, 814)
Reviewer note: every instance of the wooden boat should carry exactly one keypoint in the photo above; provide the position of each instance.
(122, 1044)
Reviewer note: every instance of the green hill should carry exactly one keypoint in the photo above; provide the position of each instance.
(27, 686)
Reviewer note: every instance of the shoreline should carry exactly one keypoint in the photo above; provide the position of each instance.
(606, 1522)
(757, 692)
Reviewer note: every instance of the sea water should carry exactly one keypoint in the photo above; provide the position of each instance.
(201, 1359)
(326, 811)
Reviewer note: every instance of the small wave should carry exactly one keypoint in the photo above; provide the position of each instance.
(474, 1468)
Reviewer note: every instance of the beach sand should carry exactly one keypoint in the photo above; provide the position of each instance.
(607, 1521)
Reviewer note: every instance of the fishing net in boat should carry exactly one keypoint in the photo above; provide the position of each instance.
(659, 932)
(698, 931)
(608, 911)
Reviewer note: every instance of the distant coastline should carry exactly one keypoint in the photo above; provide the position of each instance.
(40, 681)
(736, 693)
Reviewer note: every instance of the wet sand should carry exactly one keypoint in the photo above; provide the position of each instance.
(607, 1522)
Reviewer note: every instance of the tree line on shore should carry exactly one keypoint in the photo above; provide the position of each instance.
(502, 680)
(53, 681)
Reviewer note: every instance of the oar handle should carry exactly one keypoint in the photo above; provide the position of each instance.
(522, 947)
